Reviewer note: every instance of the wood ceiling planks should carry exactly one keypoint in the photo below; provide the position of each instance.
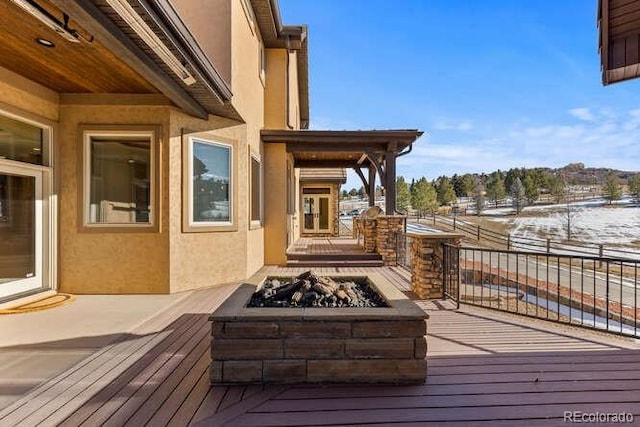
(85, 67)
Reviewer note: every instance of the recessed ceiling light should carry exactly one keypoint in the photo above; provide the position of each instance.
(45, 42)
(131, 161)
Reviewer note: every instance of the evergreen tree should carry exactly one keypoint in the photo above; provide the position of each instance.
(495, 188)
(353, 192)
(634, 187)
(423, 197)
(530, 188)
(362, 193)
(403, 196)
(611, 189)
(555, 184)
(344, 194)
(518, 195)
(445, 191)
(468, 185)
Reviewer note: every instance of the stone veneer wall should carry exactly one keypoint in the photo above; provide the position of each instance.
(387, 228)
(318, 351)
(379, 235)
(426, 262)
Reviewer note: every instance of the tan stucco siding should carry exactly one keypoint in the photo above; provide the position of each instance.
(275, 89)
(294, 98)
(210, 23)
(109, 262)
(275, 179)
(18, 92)
(208, 258)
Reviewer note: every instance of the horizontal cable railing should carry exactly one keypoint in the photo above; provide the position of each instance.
(592, 292)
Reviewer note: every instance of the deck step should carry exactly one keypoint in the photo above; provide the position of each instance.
(334, 257)
(335, 263)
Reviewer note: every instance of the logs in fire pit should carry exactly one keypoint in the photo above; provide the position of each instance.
(309, 290)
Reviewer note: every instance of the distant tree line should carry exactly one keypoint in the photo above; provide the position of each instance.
(522, 186)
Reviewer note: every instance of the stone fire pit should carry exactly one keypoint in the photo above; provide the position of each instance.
(318, 344)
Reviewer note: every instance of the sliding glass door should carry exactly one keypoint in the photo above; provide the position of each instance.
(21, 229)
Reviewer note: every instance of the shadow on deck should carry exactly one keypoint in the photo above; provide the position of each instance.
(485, 368)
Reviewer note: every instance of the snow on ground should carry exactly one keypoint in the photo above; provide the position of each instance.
(590, 222)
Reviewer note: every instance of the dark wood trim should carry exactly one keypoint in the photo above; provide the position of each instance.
(372, 185)
(362, 178)
(390, 183)
(131, 54)
(325, 164)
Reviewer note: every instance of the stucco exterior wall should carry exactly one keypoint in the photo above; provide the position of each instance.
(248, 98)
(28, 96)
(276, 218)
(275, 90)
(107, 261)
(207, 258)
(210, 23)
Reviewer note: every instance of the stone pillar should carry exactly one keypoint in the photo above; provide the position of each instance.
(426, 262)
(369, 232)
(386, 229)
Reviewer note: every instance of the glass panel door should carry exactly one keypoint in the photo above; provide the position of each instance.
(309, 214)
(20, 230)
(323, 214)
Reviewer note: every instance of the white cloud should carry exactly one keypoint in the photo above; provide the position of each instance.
(610, 140)
(582, 114)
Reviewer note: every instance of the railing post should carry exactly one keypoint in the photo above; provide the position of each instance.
(434, 218)
(600, 254)
(454, 222)
(548, 246)
(508, 241)
(478, 233)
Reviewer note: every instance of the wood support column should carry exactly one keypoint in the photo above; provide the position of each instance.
(372, 185)
(390, 180)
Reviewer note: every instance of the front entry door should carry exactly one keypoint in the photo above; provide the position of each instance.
(316, 214)
(21, 229)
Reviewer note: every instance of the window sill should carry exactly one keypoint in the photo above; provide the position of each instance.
(255, 225)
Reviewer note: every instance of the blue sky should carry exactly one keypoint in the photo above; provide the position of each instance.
(494, 84)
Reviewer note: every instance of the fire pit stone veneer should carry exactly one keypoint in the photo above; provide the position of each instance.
(319, 345)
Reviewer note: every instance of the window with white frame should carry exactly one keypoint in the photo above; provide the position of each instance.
(256, 190)
(210, 195)
(119, 178)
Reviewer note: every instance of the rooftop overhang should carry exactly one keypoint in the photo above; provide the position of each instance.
(112, 46)
(619, 39)
(341, 149)
(373, 150)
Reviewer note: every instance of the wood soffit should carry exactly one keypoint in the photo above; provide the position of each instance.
(85, 67)
(340, 149)
(110, 58)
(619, 39)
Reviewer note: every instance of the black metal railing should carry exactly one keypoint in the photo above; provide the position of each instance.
(451, 272)
(490, 238)
(402, 249)
(592, 292)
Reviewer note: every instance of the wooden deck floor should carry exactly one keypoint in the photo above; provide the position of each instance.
(485, 368)
(326, 246)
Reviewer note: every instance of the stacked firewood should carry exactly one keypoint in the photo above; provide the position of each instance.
(310, 290)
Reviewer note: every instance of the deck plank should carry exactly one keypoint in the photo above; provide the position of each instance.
(549, 412)
(164, 410)
(484, 368)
